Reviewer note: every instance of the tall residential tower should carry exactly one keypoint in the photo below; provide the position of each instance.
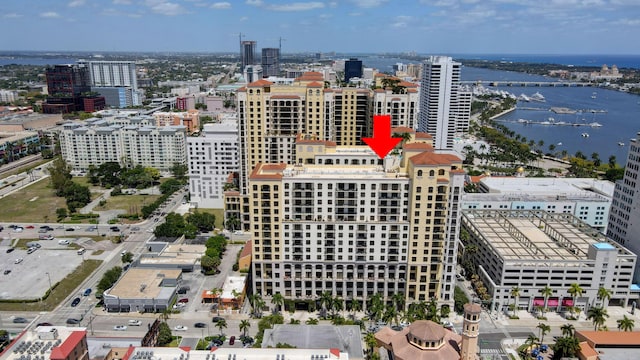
(444, 107)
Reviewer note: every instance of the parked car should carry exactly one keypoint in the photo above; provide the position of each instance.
(18, 260)
(216, 319)
(200, 325)
(18, 229)
(44, 324)
(20, 320)
(120, 327)
(7, 272)
(72, 321)
(183, 300)
(69, 229)
(31, 250)
(133, 322)
(29, 227)
(10, 250)
(87, 292)
(232, 340)
(75, 302)
(63, 242)
(180, 328)
(183, 290)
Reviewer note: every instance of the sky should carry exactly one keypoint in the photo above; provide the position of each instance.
(346, 26)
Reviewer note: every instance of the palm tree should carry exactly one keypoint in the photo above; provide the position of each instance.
(515, 292)
(311, 321)
(376, 309)
(277, 300)
(625, 324)
(604, 295)
(546, 291)
(566, 347)
(531, 341)
(325, 302)
(244, 326)
(355, 306)
(232, 222)
(256, 303)
(221, 324)
(370, 340)
(544, 330)
(216, 293)
(567, 329)
(575, 291)
(337, 304)
(598, 316)
(398, 301)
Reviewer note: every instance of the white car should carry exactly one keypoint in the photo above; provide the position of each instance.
(18, 260)
(120, 327)
(63, 242)
(238, 232)
(180, 328)
(135, 322)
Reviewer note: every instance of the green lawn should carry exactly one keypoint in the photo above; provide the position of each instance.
(218, 213)
(17, 207)
(130, 203)
(60, 290)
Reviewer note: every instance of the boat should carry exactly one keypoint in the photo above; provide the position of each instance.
(537, 97)
(585, 135)
(559, 144)
(551, 119)
(620, 143)
(595, 124)
(594, 95)
(524, 97)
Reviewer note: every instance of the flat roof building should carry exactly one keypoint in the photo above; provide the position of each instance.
(50, 342)
(533, 249)
(142, 289)
(225, 353)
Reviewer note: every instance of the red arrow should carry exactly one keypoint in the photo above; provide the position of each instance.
(382, 142)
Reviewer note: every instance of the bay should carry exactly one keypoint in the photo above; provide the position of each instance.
(35, 61)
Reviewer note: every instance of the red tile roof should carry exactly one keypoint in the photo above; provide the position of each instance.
(610, 338)
(315, 84)
(402, 129)
(417, 146)
(246, 250)
(335, 352)
(422, 135)
(431, 158)
(274, 171)
(260, 83)
(311, 76)
(67, 346)
(130, 351)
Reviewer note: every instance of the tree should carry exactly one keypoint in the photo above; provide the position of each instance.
(355, 306)
(370, 340)
(180, 171)
(567, 329)
(109, 278)
(546, 291)
(566, 347)
(531, 341)
(598, 316)
(544, 330)
(311, 321)
(232, 223)
(325, 302)
(127, 257)
(337, 305)
(203, 221)
(244, 326)
(164, 334)
(170, 186)
(612, 161)
(221, 324)
(625, 324)
(604, 295)
(216, 292)
(59, 174)
(398, 301)
(515, 293)
(61, 213)
(256, 304)
(277, 300)
(575, 291)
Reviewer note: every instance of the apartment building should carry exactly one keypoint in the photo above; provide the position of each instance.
(344, 221)
(587, 199)
(403, 108)
(105, 76)
(533, 249)
(211, 157)
(624, 226)
(189, 119)
(445, 107)
(92, 143)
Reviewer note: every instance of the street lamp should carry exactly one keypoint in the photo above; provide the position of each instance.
(50, 287)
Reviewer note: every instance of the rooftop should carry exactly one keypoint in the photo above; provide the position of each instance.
(328, 353)
(535, 235)
(555, 187)
(143, 283)
(54, 342)
(344, 337)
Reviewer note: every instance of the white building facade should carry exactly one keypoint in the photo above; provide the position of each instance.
(444, 108)
(211, 157)
(110, 74)
(129, 145)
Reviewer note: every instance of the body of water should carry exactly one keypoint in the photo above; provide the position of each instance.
(36, 61)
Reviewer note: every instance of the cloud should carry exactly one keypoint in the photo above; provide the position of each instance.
(11, 16)
(254, 2)
(122, 2)
(401, 21)
(628, 22)
(244, 18)
(297, 6)
(50, 14)
(76, 3)
(221, 5)
(368, 3)
(165, 7)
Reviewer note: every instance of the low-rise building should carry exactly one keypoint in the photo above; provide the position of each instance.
(345, 337)
(530, 250)
(142, 289)
(225, 353)
(184, 257)
(189, 119)
(50, 342)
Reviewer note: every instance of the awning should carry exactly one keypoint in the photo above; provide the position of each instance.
(552, 302)
(538, 302)
(567, 302)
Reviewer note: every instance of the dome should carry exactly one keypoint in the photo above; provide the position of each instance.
(427, 331)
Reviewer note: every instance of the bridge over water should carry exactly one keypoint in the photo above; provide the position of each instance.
(531, 83)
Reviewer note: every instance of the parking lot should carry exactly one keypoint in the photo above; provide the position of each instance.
(29, 279)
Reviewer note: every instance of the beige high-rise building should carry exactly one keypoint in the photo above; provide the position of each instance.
(341, 220)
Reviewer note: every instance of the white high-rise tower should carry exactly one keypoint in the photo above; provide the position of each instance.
(444, 108)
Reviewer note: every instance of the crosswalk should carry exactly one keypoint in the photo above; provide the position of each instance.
(491, 351)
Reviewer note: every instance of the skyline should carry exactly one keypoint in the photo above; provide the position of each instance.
(422, 26)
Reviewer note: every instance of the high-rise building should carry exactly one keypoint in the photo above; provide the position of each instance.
(248, 53)
(624, 214)
(403, 107)
(106, 77)
(352, 69)
(212, 156)
(342, 220)
(270, 62)
(67, 86)
(253, 73)
(445, 108)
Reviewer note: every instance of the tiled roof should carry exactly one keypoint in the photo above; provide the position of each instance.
(610, 338)
(423, 135)
(260, 83)
(63, 351)
(431, 158)
(274, 171)
(246, 250)
(417, 146)
(402, 129)
(315, 84)
(311, 76)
